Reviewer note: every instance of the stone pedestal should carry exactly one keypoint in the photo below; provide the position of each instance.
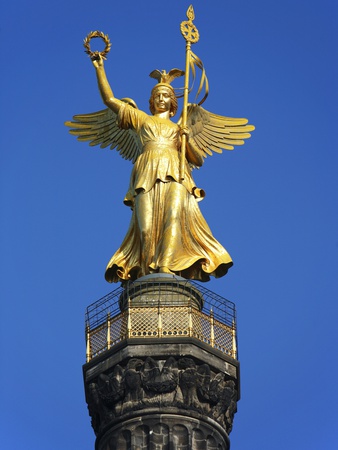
(164, 392)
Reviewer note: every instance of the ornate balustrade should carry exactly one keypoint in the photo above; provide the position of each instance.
(161, 309)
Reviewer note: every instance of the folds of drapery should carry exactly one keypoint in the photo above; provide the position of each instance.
(167, 229)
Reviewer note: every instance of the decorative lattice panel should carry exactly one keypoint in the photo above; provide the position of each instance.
(118, 329)
(175, 321)
(98, 340)
(144, 322)
(204, 328)
(223, 338)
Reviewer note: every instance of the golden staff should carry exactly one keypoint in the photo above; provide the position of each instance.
(191, 36)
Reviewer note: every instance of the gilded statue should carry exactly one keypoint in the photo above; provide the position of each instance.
(167, 231)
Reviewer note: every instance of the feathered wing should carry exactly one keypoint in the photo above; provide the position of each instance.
(100, 128)
(210, 133)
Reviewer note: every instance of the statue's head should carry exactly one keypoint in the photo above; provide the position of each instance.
(164, 79)
(165, 93)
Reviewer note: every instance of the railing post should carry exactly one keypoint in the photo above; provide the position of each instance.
(88, 349)
(234, 344)
(212, 333)
(190, 320)
(129, 319)
(108, 331)
(159, 324)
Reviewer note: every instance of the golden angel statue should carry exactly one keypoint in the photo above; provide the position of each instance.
(167, 232)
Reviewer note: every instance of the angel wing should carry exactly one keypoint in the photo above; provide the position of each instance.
(100, 128)
(212, 133)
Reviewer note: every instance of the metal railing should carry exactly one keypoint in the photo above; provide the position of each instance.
(215, 324)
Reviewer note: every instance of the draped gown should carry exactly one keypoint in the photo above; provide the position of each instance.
(167, 228)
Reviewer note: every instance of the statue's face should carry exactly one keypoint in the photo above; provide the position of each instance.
(162, 100)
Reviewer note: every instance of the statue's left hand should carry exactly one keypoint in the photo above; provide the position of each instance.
(185, 130)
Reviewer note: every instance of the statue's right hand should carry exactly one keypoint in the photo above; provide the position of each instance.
(97, 60)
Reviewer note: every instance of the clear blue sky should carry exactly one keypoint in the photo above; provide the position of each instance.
(272, 204)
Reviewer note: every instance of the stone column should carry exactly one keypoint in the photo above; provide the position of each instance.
(162, 392)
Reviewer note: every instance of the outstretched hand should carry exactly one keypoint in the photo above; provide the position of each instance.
(97, 60)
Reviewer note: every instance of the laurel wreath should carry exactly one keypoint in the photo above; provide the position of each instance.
(96, 54)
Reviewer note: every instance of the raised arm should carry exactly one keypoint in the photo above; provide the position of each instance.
(105, 90)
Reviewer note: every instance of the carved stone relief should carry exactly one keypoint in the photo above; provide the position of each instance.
(140, 384)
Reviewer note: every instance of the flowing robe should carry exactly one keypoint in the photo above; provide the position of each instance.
(167, 228)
